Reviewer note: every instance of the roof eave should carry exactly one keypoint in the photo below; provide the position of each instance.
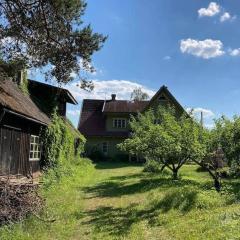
(26, 117)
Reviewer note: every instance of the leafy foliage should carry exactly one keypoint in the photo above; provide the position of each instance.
(139, 95)
(226, 134)
(39, 33)
(172, 142)
(59, 145)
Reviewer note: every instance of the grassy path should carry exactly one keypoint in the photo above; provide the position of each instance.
(118, 201)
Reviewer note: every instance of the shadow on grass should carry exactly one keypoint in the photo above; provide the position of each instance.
(129, 176)
(116, 189)
(114, 165)
(118, 221)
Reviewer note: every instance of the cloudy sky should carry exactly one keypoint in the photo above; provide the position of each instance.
(192, 46)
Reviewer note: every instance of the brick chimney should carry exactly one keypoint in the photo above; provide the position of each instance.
(114, 97)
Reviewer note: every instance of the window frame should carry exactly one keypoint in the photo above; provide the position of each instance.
(36, 150)
(120, 123)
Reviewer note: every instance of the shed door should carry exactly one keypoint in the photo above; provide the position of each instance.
(9, 151)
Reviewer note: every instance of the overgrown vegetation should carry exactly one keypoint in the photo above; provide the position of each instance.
(62, 146)
(120, 201)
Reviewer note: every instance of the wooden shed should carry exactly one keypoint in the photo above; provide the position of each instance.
(20, 124)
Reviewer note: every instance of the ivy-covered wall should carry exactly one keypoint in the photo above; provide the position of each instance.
(61, 143)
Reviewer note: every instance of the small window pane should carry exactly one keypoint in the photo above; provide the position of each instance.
(35, 148)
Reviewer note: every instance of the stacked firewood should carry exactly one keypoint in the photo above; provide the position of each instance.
(18, 201)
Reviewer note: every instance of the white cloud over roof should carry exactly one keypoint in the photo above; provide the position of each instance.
(104, 88)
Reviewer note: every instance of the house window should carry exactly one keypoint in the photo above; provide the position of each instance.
(119, 123)
(35, 148)
(105, 147)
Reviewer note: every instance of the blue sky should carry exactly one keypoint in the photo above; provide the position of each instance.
(192, 46)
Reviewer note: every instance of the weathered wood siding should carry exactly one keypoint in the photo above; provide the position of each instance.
(14, 150)
(15, 146)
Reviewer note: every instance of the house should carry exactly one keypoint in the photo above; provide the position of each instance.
(104, 123)
(22, 116)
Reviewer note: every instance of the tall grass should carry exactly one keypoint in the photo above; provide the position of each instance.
(110, 201)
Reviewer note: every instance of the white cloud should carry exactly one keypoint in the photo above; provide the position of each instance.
(234, 52)
(205, 49)
(167, 58)
(73, 112)
(212, 10)
(197, 111)
(104, 89)
(227, 17)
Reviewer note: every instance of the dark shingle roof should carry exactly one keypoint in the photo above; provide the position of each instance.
(45, 89)
(92, 121)
(12, 98)
(123, 106)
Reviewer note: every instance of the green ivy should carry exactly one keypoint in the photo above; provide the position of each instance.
(59, 141)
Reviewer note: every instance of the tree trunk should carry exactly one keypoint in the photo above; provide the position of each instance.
(217, 184)
(175, 174)
(162, 168)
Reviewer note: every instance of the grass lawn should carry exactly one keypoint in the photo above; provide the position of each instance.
(120, 201)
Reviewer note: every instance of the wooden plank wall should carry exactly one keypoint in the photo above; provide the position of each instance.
(14, 152)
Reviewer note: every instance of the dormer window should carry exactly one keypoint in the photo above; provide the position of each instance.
(119, 123)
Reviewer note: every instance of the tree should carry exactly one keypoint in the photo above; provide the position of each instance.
(214, 156)
(139, 95)
(48, 33)
(162, 136)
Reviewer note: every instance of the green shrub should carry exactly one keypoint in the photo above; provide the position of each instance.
(153, 166)
(96, 155)
(234, 170)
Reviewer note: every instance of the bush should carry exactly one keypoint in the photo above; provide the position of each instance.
(96, 155)
(234, 170)
(152, 166)
(224, 172)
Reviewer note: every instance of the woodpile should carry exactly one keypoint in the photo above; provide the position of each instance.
(18, 200)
